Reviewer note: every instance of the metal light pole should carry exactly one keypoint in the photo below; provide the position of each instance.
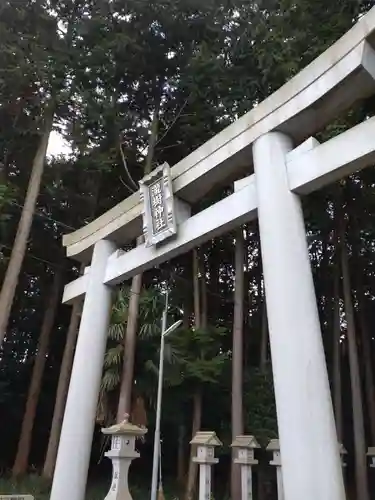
(155, 461)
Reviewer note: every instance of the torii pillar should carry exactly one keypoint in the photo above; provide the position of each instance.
(311, 460)
(73, 458)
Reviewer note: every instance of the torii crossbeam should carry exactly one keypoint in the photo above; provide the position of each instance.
(275, 137)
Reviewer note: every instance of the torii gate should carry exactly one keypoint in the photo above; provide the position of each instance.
(266, 137)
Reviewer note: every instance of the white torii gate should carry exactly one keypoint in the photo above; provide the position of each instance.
(266, 137)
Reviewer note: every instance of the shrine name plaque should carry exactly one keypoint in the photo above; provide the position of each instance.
(159, 220)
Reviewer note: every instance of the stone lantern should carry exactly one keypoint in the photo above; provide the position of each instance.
(122, 453)
(371, 454)
(245, 458)
(274, 446)
(205, 443)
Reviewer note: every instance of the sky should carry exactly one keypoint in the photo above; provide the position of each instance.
(57, 145)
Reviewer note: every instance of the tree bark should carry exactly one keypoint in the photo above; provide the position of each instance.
(153, 138)
(192, 472)
(203, 292)
(357, 404)
(130, 341)
(24, 444)
(200, 322)
(262, 366)
(196, 291)
(181, 456)
(138, 414)
(369, 374)
(237, 359)
(24, 226)
(264, 339)
(62, 391)
(124, 404)
(364, 331)
(337, 396)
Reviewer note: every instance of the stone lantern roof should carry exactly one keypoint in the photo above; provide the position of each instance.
(273, 445)
(245, 442)
(125, 427)
(206, 438)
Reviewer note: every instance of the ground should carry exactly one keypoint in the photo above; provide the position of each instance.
(40, 488)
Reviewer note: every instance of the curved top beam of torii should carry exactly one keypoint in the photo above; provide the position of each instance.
(343, 74)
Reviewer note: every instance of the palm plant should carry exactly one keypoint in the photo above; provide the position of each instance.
(146, 367)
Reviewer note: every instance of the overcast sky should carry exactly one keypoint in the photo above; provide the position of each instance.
(57, 145)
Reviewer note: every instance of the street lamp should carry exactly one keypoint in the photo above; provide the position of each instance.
(156, 462)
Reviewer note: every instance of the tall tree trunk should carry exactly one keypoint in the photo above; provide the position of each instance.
(197, 419)
(181, 456)
(262, 366)
(203, 290)
(196, 291)
(24, 443)
(181, 471)
(199, 314)
(358, 421)
(369, 374)
(237, 359)
(264, 339)
(337, 396)
(365, 334)
(24, 226)
(62, 391)
(124, 404)
(130, 341)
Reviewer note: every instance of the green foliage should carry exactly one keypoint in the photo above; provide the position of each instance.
(151, 306)
(32, 484)
(200, 354)
(259, 403)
